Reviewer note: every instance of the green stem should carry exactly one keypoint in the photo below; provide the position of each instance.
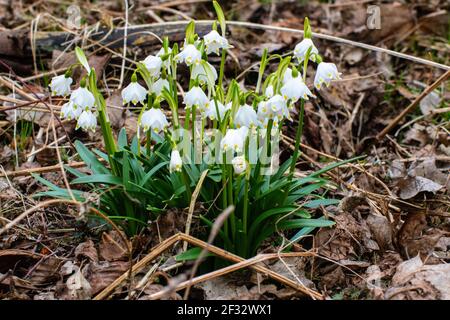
(185, 178)
(298, 137)
(222, 67)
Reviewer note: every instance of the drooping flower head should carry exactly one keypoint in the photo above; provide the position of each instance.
(70, 111)
(82, 98)
(234, 139)
(196, 97)
(87, 121)
(302, 48)
(246, 117)
(239, 164)
(211, 110)
(60, 85)
(154, 119)
(153, 65)
(175, 161)
(296, 88)
(159, 85)
(214, 42)
(134, 93)
(326, 72)
(278, 109)
(189, 55)
(201, 70)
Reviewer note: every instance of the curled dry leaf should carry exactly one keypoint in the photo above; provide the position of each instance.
(102, 274)
(413, 280)
(87, 250)
(112, 247)
(78, 288)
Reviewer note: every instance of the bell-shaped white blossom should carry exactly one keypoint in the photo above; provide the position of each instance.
(70, 111)
(60, 85)
(153, 65)
(154, 119)
(287, 75)
(87, 121)
(196, 97)
(303, 47)
(239, 164)
(134, 93)
(202, 71)
(159, 85)
(175, 161)
(214, 42)
(234, 139)
(246, 117)
(278, 108)
(296, 88)
(211, 110)
(269, 91)
(326, 72)
(82, 98)
(189, 55)
(161, 53)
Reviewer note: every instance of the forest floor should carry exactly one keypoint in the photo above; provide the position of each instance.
(392, 234)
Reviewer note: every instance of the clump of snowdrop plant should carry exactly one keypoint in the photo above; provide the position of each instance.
(216, 128)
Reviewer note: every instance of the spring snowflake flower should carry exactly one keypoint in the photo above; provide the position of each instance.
(214, 42)
(189, 55)
(246, 117)
(153, 65)
(296, 88)
(239, 164)
(70, 111)
(196, 97)
(155, 120)
(175, 161)
(82, 98)
(159, 85)
(60, 85)
(135, 93)
(211, 110)
(200, 71)
(287, 75)
(326, 72)
(278, 108)
(301, 49)
(269, 91)
(234, 139)
(87, 121)
(161, 53)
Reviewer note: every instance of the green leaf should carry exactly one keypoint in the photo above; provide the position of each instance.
(82, 59)
(220, 17)
(99, 178)
(298, 223)
(90, 159)
(191, 254)
(320, 202)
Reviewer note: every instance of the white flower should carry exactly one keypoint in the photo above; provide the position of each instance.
(60, 85)
(214, 42)
(278, 108)
(87, 121)
(135, 93)
(263, 111)
(196, 97)
(162, 52)
(269, 91)
(301, 49)
(296, 88)
(189, 55)
(82, 98)
(201, 71)
(326, 72)
(287, 75)
(211, 110)
(159, 85)
(175, 161)
(246, 117)
(155, 120)
(234, 139)
(239, 164)
(70, 111)
(153, 65)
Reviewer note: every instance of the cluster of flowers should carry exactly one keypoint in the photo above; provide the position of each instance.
(275, 104)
